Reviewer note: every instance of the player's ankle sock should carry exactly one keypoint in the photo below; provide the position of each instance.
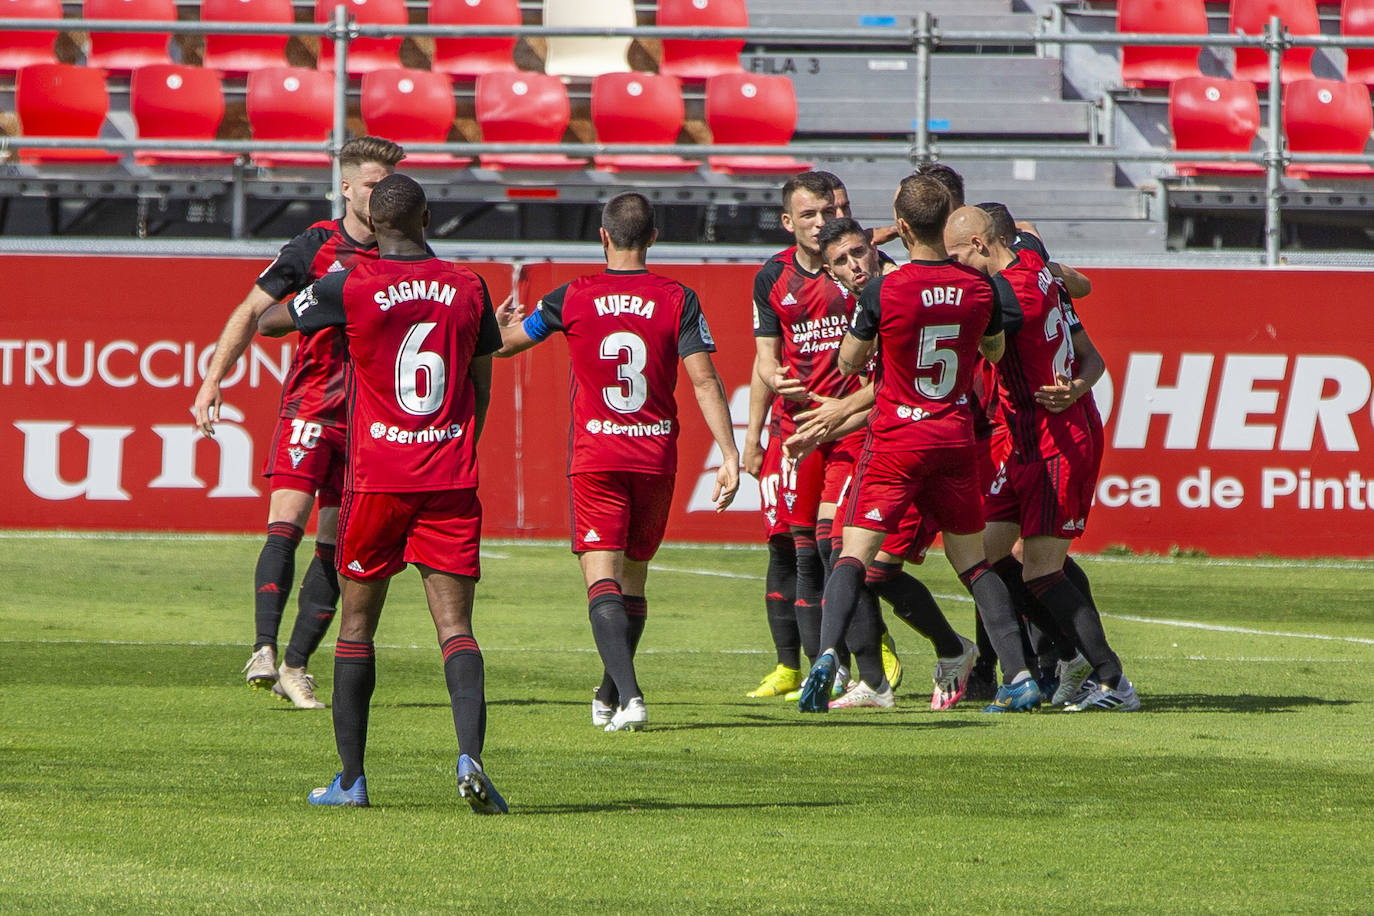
(315, 605)
(841, 598)
(915, 605)
(464, 676)
(994, 603)
(273, 579)
(355, 677)
(610, 629)
(1076, 614)
(865, 634)
(780, 599)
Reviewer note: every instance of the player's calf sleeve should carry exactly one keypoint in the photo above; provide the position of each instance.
(636, 614)
(1079, 578)
(1076, 614)
(315, 606)
(355, 677)
(464, 675)
(825, 545)
(987, 655)
(273, 580)
(611, 630)
(810, 585)
(994, 603)
(913, 603)
(780, 600)
(865, 638)
(841, 598)
(1039, 630)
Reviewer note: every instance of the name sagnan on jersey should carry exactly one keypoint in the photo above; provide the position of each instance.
(416, 436)
(819, 334)
(410, 290)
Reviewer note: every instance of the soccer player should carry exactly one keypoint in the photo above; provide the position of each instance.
(306, 455)
(419, 334)
(1044, 490)
(627, 329)
(932, 318)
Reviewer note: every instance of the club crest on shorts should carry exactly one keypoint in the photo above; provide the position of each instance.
(297, 455)
(790, 498)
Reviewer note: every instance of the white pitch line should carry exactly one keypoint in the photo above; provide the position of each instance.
(1222, 628)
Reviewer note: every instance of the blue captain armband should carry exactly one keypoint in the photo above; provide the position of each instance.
(535, 327)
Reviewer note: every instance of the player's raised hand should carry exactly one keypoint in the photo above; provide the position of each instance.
(727, 483)
(206, 407)
(784, 385)
(509, 312)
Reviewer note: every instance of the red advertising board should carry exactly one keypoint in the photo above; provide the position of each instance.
(1237, 406)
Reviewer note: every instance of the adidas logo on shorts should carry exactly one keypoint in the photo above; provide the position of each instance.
(591, 537)
(873, 515)
(355, 566)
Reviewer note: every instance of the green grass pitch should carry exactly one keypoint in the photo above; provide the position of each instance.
(139, 774)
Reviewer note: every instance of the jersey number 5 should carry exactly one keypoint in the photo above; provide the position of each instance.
(943, 360)
(420, 370)
(628, 350)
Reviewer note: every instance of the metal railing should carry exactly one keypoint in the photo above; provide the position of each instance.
(922, 39)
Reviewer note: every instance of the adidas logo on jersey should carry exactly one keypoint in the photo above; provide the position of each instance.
(789, 299)
(591, 537)
(336, 266)
(356, 567)
(873, 515)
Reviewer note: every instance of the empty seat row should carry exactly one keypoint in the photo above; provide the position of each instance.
(1319, 116)
(170, 101)
(460, 57)
(1151, 67)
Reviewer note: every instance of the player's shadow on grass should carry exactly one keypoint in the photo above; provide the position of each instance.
(1245, 703)
(884, 720)
(641, 804)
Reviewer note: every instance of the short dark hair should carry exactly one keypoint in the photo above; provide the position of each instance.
(830, 178)
(628, 219)
(1003, 226)
(370, 149)
(837, 229)
(806, 181)
(951, 180)
(924, 204)
(398, 201)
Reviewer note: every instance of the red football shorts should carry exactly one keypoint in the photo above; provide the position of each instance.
(307, 456)
(909, 542)
(942, 483)
(992, 452)
(770, 479)
(1050, 497)
(820, 477)
(379, 533)
(620, 510)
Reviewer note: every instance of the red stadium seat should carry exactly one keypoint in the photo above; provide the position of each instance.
(1215, 115)
(524, 107)
(1327, 116)
(1357, 21)
(290, 103)
(20, 49)
(242, 54)
(61, 100)
(1149, 67)
(412, 106)
(175, 102)
(469, 58)
(689, 59)
(125, 51)
(364, 54)
(749, 108)
(638, 108)
(1299, 17)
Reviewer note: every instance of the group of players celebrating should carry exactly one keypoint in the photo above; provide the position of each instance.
(886, 412)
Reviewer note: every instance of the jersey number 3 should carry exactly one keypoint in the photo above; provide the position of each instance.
(420, 371)
(628, 351)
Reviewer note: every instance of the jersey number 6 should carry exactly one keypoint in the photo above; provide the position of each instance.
(413, 364)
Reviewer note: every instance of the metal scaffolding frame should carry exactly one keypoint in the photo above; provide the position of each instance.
(921, 39)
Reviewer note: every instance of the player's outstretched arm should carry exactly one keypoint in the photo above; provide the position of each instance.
(479, 371)
(276, 321)
(1075, 284)
(854, 354)
(759, 396)
(769, 368)
(992, 346)
(510, 315)
(715, 410)
(233, 340)
(830, 419)
(1060, 396)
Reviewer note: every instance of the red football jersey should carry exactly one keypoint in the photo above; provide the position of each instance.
(314, 385)
(413, 327)
(1039, 347)
(626, 332)
(810, 314)
(929, 317)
